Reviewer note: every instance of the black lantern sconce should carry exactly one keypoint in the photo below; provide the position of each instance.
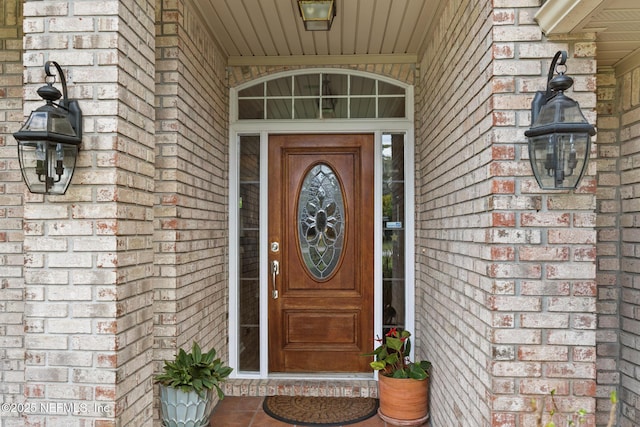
(48, 142)
(560, 136)
(317, 15)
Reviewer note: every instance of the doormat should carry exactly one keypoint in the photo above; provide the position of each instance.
(320, 411)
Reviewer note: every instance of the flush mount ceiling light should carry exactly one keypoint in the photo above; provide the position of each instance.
(49, 140)
(560, 136)
(317, 15)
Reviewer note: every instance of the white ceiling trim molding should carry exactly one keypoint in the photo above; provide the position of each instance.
(565, 16)
(628, 64)
(317, 60)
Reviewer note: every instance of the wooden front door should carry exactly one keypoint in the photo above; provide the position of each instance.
(321, 238)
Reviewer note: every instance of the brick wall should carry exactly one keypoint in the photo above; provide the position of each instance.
(11, 191)
(191, 213)
(89, 254)
(505, 298)
(628, 105)
(452, 167)
(608, 246)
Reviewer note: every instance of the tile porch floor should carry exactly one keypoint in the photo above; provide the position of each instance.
(246, 411)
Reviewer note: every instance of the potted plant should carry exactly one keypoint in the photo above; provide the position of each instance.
(403, 386)
(186, 387)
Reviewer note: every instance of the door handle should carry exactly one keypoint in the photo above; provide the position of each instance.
(275, 270)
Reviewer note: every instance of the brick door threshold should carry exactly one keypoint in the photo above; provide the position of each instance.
(301, 387)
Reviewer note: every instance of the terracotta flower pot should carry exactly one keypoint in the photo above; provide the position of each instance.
(403, 401)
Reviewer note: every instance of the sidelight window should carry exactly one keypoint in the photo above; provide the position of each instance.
(249, 249)
(393, 231)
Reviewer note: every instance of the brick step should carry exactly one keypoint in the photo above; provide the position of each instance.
(301, 387)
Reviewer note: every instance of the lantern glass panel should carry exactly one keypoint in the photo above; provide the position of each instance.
(316, 10)
(560, 109)
(559, 159)
(61, 125)
(37, 122)
(320, 25)
(49, 121)
(47, 167)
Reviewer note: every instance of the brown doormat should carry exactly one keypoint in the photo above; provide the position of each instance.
(320, 411)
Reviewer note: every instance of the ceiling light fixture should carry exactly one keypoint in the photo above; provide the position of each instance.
(317, 15)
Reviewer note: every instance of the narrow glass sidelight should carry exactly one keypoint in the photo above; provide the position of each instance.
(248, 234)
(321, 225)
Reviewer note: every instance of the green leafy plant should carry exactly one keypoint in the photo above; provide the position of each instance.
(195, 371)
(392, 357)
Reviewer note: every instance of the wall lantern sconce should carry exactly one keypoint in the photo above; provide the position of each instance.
(49, 140)
(560, 136)
(317, 15)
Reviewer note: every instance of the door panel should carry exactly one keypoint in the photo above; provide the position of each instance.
(321, 216)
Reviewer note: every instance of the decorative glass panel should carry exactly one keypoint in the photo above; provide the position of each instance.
(316, 96)
(321, 224)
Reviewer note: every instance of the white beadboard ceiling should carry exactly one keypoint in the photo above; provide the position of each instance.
(616, 24)
(273, 28)
(271, 31)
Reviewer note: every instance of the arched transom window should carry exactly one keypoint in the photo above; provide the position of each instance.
(316, 95)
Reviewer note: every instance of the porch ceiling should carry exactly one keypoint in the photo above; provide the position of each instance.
(259, 32)
(252, 30)
(616, 24)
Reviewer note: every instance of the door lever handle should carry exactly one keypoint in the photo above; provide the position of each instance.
(275, 270)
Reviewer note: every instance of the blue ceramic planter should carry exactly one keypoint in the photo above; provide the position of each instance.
(182, 409)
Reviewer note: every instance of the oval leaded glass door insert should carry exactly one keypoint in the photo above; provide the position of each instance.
(321, 221)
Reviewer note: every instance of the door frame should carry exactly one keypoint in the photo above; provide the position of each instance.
(263, 128)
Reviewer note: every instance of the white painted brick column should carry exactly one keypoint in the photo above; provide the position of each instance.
(89, 253)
